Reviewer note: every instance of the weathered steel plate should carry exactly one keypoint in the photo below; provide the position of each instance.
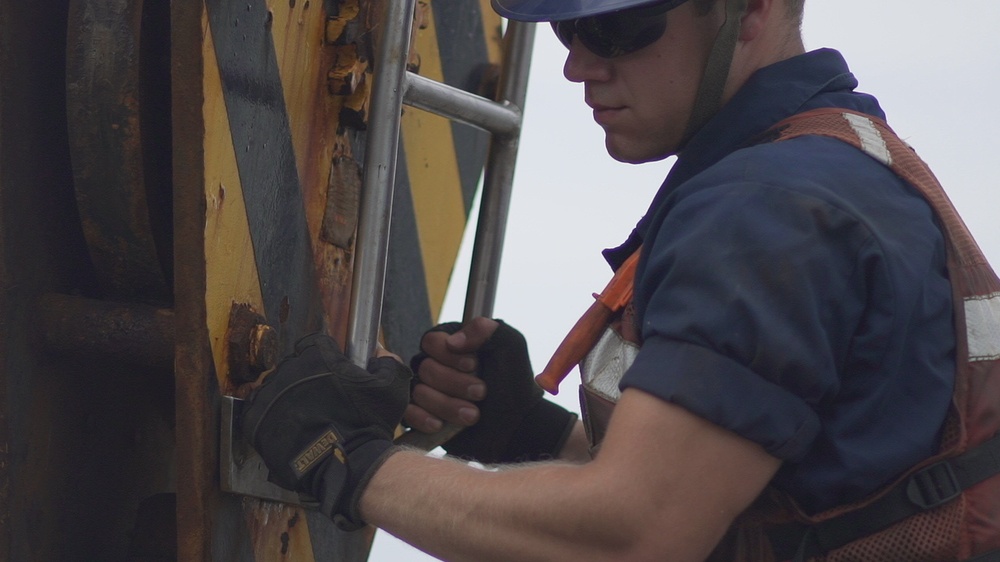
(266, 152)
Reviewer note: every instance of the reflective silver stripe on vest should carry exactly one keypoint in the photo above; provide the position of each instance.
(602, 369)
(982, 322)
(871, 139)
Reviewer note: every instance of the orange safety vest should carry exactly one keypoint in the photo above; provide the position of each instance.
(946, 508)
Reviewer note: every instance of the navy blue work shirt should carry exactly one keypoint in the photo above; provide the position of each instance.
(796, 293)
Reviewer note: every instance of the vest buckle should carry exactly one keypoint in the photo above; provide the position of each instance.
(933, 486)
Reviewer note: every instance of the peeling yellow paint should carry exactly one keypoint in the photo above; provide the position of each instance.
(229, 259)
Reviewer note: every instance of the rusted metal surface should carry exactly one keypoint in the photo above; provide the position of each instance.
(195, 381)
(252, 344)
(99, 180)
(134, 333)
(340, 218)
(82, 442)
(107, 113)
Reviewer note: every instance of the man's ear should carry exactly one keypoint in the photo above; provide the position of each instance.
(756, 17)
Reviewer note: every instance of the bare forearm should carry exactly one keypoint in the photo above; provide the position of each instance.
(665, 486)
(457, 512)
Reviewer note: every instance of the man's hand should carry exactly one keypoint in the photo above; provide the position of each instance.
(447, 386)
(323, 425)
(507, 417)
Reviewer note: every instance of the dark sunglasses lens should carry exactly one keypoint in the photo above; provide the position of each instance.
(564, 31)
(615, 34)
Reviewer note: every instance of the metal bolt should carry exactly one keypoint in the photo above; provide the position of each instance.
(263, 348)
(253, 345)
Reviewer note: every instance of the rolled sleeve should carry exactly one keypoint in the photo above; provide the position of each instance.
(721, 390)
(748, 299)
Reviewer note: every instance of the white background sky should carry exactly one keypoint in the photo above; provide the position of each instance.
(935, 67)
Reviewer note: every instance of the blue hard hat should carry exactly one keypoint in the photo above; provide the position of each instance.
(557, 10)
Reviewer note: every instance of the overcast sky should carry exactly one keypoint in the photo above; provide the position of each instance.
(934, 66)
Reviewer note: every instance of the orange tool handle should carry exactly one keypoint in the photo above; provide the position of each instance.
(588, 329)
(574, 348)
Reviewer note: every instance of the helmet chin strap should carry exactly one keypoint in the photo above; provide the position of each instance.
(709, 97)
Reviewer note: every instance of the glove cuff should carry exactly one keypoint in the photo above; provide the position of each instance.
(541, 434)
(364, 462)
(340, 485)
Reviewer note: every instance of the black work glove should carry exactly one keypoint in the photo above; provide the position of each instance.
(323, 425)
(516, 423)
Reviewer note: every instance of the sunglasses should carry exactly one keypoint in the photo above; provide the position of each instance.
(617, 33)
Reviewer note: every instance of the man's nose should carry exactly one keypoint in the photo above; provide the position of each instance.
(582, 65)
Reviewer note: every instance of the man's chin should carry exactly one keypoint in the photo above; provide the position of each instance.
(633, 155)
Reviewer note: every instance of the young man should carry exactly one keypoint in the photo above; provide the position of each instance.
(792, 312)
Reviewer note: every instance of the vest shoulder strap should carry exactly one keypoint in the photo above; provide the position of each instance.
(970, 451)
(875, 138)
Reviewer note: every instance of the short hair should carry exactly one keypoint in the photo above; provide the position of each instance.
(795, 8)
(703, 7)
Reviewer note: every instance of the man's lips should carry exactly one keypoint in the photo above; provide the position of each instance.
(604, 113)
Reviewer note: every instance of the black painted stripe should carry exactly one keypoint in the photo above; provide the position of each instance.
(265, 157)
(464, 61)
(406, 307)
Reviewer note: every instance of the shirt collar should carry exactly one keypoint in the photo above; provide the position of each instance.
(819, 78)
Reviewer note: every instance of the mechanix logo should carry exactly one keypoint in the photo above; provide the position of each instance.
(316, 451)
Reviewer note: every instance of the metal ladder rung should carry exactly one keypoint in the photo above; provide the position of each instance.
(393, 86)
(503, 120)
(499, 118)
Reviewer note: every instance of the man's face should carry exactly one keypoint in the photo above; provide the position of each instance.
(643, 99)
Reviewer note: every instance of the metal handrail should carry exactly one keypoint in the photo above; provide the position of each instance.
(393, 87)
(493, 209)
(498, 177)
(372, 244)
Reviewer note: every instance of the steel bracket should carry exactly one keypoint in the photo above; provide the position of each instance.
(242, 471)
